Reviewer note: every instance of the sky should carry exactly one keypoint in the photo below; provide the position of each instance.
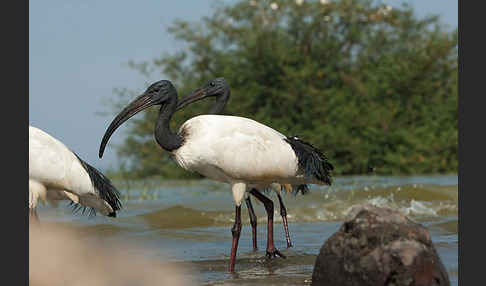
(78, 53)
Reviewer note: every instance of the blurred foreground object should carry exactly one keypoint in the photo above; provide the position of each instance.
(58, 256)
(379, 246)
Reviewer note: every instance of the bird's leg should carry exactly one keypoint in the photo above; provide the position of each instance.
(235, 231)
(283, 213)
(253, 222)
(271, 250)
(33, 215)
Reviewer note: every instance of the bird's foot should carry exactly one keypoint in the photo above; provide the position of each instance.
(273, 253)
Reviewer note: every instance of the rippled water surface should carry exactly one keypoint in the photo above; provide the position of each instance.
(189, 223)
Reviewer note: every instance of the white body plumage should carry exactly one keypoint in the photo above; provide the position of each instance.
(239, 151)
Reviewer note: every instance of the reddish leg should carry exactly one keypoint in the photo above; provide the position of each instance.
(253, 222)
(235, 230)
(283, 213)
(271, 250)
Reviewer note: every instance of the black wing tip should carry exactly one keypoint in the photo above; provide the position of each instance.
(103, 185)
(311, 160)
(77, 208)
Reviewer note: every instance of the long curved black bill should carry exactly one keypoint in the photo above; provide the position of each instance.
(196, 95)
(140, 103)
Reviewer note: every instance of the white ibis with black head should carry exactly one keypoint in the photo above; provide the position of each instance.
(56, 173)
(218, 107)
(235, 150)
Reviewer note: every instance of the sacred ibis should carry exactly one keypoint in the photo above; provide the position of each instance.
(236, 150)
(222, 98)
(56, 173)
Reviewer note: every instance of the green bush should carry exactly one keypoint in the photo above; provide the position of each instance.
(374, 88)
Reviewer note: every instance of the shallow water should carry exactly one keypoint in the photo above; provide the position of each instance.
(189, 223)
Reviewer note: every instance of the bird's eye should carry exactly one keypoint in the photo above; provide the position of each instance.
(212, 83)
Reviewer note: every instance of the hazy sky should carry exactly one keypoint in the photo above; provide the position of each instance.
(78, 52)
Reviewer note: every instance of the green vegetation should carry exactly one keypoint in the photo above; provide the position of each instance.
(374, 88)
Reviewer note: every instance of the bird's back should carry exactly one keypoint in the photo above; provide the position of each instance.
(241, 148)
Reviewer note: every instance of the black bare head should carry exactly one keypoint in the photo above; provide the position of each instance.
(158, 93)
(217, 88)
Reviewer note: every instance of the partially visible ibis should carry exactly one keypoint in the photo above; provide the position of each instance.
(221, 99)
(236, 150)
(57, 173)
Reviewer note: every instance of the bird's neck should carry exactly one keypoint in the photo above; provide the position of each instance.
(217, 107)
(168, 140)
(220, 104)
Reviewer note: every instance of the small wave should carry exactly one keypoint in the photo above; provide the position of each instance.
(202, 207)
(420, 208)
(334, 205)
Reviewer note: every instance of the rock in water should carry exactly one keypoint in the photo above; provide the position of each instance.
(379, 246)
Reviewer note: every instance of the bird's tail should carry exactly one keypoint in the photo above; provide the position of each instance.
(311, 160)
(103, 187)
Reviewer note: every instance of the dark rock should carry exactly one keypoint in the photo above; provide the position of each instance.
(379, 246)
